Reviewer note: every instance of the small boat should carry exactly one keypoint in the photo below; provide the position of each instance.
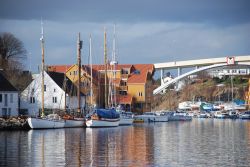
(233, 114)
(221, 114)
(245, 115)
(178, 116)
(202, 115)
(126, 118)
(159, 117)
(146, 117)
(103, 118)
(50, 122)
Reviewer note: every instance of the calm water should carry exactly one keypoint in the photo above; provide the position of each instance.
(201, 142)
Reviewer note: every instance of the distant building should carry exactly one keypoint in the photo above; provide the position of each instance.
(224, 72)
(132, 84)
(8, 98)
(59, 94)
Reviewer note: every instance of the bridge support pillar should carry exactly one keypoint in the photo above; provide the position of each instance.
(179, 71)
(162, 77)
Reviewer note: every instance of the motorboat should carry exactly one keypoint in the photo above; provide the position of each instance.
(178, 116)
(126, 118)
(221, 114)
(146, 117)
(245, 115)
(233, 114)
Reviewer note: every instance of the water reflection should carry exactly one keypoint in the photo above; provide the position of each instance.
(201, 142)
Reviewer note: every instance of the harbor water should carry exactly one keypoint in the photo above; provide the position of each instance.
(200, 142)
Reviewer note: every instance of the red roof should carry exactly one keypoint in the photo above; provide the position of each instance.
(140, 74)
(59, 68)
(125, 99)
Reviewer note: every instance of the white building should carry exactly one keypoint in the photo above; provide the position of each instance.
(59, 93)
(8, 98)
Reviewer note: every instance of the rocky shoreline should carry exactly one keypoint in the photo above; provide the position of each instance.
(14, 123)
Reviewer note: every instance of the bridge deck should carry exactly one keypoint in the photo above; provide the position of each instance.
(200, 62)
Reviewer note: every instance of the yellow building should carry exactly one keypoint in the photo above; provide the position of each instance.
(132, 84)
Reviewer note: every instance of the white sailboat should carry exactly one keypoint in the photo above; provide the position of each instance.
(52, 120)
(103, 117)
(72, 122)
(126, 118)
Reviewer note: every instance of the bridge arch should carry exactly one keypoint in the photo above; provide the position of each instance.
(167, 84)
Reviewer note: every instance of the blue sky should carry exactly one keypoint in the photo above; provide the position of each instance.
(148, 31)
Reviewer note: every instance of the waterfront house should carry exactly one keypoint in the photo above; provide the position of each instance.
(60, 94)
(133, 83)
(8, 98)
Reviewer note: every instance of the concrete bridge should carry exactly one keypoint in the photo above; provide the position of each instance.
(200, 65)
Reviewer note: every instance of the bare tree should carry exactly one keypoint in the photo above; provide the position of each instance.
(11, 49)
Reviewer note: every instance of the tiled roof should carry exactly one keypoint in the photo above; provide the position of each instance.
(125, 99)
(139, 72)
(5, 85)
(58, 68)
(139, 75)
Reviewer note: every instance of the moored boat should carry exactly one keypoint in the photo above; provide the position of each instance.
(146, 117)
(233, 114)
(126, 118)
(245, 115)
(103, 118)
(71, 122)
(221, 114)
(178, 116)
(50, 122)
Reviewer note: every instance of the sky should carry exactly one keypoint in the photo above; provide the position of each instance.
(147, 31)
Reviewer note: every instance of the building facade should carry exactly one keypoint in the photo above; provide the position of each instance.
(59, 94)
(8, 98)
(128, 86)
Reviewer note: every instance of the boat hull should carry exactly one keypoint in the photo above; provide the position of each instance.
(126, 121)
(159, 119)
(38, 123)
(73, 123)
(102, 123)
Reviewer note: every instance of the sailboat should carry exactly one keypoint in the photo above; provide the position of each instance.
(103, 117)
(71, 122)
(126, 118)
(52, 120)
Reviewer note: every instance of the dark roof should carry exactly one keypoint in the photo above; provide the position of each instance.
(64, 82)
(5, 85)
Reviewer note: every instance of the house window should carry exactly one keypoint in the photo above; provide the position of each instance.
(32, 99)
(5, 100)
(33, 90)
(54, 90)
(44, 88)
(54, 100)
(11, 98)
(1, 98)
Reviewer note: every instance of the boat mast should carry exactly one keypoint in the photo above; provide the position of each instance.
(79, 47)
(91, 72)
(105, 64)
(114, 63)
(42, 47)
